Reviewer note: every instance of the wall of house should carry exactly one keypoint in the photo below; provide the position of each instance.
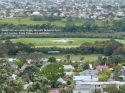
(82, 91)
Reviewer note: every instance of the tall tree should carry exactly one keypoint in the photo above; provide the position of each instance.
(52, 71)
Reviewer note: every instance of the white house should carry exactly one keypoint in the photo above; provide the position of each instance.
(122, 73)
(89, 72)
(86, 78)
(69, 70)
(80, 87)
(90, 87)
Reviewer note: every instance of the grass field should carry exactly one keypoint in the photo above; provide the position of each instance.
(29, 21)
(48, 42)
(62, 22)
(90, 58)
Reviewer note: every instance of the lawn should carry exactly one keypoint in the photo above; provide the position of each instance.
(48, 42)
(90, 58)
(17, 21)
(29, 21)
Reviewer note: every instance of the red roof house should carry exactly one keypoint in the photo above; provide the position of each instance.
(103, 67)
(54, 91)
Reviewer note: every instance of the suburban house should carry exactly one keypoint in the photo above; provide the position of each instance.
(69, 70)
(80, 87)
(41, 62)
(91, 87)
(85, 78)
(89, 72)
(102, 67)
(54, 91)
(122, 73)
(10, 63)
(61, 80)
(53, 52)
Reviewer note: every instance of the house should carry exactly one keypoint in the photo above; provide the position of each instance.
(10, 62)
(41, 62)
(102, 67)
(24, 67)
(54, 91)
(80, 87)
(122, 73)
(89, 78)
(61, 80)
(68, 69)
(36, 15)
(89, 72)
(53, 52)
(90, 87)
(58, 60)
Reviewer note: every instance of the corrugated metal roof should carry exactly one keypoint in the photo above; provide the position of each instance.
(85, 78)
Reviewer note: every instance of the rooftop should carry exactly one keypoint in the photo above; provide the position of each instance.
(90, 72)
(54, 91)
(85, 78)
(102, 67)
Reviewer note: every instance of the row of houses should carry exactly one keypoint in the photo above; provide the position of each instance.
(88, 81)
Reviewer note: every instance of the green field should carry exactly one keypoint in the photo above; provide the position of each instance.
(90, 58)
(48, 42)
(29, 21)
(61, 22)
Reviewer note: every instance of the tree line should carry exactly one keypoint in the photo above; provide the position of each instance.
(109, 47)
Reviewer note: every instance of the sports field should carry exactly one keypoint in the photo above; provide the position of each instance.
(49, 42)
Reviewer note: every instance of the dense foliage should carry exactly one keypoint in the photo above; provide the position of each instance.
(52, 72)
(107, 48)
